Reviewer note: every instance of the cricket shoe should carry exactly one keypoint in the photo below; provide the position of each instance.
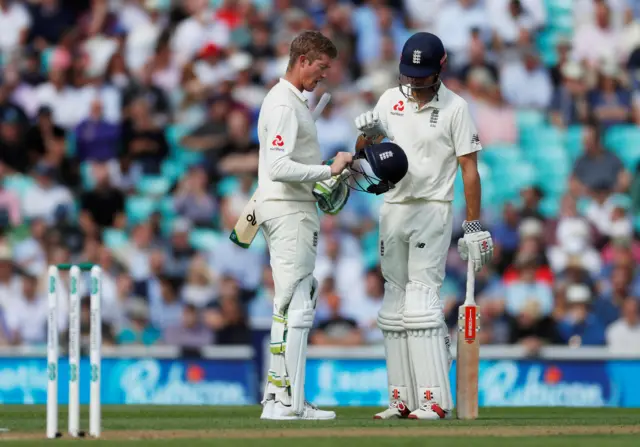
(430, 411)
(276, 410)
(313, 413)
(397, 410)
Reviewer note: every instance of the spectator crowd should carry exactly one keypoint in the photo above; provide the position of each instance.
(128, 139)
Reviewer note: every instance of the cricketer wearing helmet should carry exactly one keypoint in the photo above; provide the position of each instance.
(433, 126)
(289, 167)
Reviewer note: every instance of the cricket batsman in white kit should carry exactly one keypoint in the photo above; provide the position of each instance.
(290, 164)
(433, 126)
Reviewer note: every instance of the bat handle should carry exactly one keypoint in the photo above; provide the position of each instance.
(471, 283)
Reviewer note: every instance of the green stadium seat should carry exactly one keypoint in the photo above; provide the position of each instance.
(139, 208)
(205, 239)
(153, 185)
(114, 238)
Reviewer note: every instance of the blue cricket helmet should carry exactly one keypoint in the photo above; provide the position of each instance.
(389, 164)
(423, 55)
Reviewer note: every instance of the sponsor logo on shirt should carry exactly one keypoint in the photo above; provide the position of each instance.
(398, 108)
(277, 144)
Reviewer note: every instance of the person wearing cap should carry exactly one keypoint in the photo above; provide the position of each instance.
(289, 166)
(434, 127)
(569, 104)
(580, 326)
(42, 199)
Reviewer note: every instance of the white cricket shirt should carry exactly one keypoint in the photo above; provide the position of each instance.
(432, 137)
(290, 160)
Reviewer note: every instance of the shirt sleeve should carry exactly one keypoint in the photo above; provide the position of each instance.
(464, 134)
(280, 139)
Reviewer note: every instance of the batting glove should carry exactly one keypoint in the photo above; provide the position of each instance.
(370, 125)
(476, 245)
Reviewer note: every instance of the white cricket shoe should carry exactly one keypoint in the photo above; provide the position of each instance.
(313, 413)
(430, 411)
(267, 409)
(276, 410)
(397, 410)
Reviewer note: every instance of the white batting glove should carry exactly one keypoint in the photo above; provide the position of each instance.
(369, 124)
(475, 244)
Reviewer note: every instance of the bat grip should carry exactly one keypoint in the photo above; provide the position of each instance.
(471, 283)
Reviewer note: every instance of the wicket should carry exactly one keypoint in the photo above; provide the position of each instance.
(95, 342)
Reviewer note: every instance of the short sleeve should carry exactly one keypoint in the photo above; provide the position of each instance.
(464, 134)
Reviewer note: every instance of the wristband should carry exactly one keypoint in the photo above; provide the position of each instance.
(472, 226)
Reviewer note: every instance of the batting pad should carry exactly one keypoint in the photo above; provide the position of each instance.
(428, 351)
(399, 372)
(300, 320)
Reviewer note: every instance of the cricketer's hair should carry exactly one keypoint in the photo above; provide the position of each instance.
(311, 44)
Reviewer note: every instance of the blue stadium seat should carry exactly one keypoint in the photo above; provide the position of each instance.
(573, 141)
(228, 186)
(172, 170)
(18, 183)
(529, 119)
(139, 208)
(205, 239)
(114, 238)
(549, 207)
(153, 185)
(86, 176)
(624, 140)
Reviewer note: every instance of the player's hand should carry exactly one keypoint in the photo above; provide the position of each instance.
(340, 162)
(476, 245)
(369, 124)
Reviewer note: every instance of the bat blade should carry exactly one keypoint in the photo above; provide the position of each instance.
(467, 363)
(468, 353)
(324, 100)
(246, 227)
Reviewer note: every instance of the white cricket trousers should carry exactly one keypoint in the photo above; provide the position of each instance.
(292, 241)
(414, 242)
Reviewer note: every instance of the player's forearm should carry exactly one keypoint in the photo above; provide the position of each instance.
(286, 170)
(472, 193)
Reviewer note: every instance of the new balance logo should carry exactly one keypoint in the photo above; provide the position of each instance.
(434, 117)
(417, 57)
(420, 245)
(315, 238)
(381, 248)
(475, 139)
(385, 155)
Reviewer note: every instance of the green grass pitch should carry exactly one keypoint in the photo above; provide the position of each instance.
(234, 426)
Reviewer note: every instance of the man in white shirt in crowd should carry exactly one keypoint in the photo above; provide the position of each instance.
(623, 335)
(42, 200)
(289, 166)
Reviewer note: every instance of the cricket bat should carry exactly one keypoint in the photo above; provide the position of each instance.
(246, 228)
(468, 352)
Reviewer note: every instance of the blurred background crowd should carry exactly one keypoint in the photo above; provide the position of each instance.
(128, 139)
